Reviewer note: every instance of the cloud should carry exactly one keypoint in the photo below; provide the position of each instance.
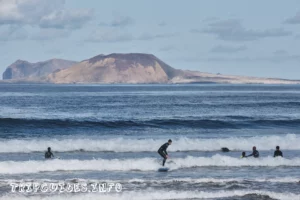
(120, 21)
(71, 19)
(26, 11)
(12, 32)
(228, 49)
(293, 20)
(42, 13)
(115, 35)
(232, 30)
(50, 34)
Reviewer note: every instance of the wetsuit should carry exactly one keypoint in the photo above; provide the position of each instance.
(255, 154)
(277, 153)
(163, 152)
(49, 155)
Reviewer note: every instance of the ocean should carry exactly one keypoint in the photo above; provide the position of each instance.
(110, 134)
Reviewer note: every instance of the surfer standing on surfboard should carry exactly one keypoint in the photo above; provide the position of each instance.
(163, 151)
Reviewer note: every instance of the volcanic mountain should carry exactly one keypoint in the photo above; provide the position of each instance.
(117, 68)
(133, 68)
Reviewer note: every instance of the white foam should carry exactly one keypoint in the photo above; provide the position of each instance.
(216, 180)
(143, 164)
(157, 194)
(160, 181)
(12, 167)
(220, 161)
(286, 142)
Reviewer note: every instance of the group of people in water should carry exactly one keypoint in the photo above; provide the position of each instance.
(255, 153)
(162, 151)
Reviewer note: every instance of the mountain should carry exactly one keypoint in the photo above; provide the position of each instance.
(117, 68)
(32, 71)
(143, 68)
(130, 68)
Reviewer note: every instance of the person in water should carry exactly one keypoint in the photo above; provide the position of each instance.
(254, 153)
(49, 154)
(277, 152)
(163, 151)
(243, 154)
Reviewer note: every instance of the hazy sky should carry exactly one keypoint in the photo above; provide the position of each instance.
(254, 38)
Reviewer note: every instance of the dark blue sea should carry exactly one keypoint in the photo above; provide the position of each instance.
(111, 134)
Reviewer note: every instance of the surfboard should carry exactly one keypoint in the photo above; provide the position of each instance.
(163, 169)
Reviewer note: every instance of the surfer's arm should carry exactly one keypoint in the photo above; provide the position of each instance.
(165, 151)
(164, 148)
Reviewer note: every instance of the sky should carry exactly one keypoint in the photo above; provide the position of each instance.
(234, 37)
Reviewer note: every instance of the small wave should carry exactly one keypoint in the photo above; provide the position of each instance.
(286, 142)
(228, 122)
(56, 123)
(144, 164)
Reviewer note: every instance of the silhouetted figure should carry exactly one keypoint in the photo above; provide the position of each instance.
(163, 151)
(254, 153)
(49, 154)
(277, 152)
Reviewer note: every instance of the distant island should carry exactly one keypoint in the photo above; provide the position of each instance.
(131, 68)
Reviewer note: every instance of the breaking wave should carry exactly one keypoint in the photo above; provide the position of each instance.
(287, 142)
(143, 164)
